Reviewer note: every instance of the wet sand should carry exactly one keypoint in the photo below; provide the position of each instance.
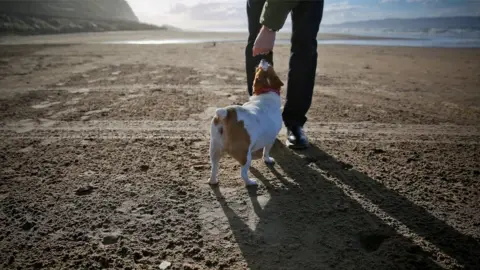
(120, 36)
(104, 161)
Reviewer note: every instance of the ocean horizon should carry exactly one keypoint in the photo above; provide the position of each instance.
(442, 38)
(454, 32)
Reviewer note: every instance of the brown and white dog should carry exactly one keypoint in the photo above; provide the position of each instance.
(243, 130)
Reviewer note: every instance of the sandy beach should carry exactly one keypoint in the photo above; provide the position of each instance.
(104, 159)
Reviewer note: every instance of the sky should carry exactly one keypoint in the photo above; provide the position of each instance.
(231, 14)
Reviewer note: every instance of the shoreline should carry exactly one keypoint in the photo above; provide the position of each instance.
(119, 36)
(179, 37)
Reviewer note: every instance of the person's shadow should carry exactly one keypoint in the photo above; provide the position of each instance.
(313, 222)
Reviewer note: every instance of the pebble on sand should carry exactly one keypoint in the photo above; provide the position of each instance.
(110, 239)
(28, 225)
(85, 190)
(164, 265)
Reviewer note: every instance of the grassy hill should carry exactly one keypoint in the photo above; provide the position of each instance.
(67, 16)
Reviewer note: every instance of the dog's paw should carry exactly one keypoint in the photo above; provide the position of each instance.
(213, 182)
(251, 182)
(269, 161)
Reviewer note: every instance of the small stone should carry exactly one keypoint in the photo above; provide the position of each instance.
(164, 265)
(123, 251)
(137, 256)
(210, 263)
(199, 167)
(110, 239)
(144, 168)
(146, 253)
(188, 266)
(378, 151)
(11, 260)
(28, 225)
(85, 190)
(411, 159)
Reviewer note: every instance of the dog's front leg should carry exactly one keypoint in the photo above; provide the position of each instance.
(266, 155)
(245, 169)
(215, 155)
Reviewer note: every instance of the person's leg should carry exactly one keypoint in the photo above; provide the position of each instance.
(306, 18)
(254, 11)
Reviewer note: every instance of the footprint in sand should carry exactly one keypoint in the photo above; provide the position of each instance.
(97, 111)
(27, 125)
(45, 104)
(206, 82)
(79, 90)
(132, 96)
(73, 101)
(59, 114)
(222, 77)
(205, 115)
(26, 149)
(49, 141)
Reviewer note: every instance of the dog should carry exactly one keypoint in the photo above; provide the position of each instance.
(240, 131)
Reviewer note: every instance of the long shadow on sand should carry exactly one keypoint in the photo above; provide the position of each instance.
(311, 223)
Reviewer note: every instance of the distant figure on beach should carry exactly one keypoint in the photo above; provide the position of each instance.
(265, 18)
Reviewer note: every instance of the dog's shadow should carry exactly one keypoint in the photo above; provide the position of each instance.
(311, 223)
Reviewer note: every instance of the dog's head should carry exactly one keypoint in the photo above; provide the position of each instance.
(266, 79)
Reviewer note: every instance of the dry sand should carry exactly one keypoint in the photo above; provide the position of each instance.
(104, 161)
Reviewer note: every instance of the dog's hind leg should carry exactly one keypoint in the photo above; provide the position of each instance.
(215, 155)
(266, 154)
(245, 169)
(216, 151)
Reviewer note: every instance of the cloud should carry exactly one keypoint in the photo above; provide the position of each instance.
(418, 1)
(421, 1)
(211, 11)
(340, 7)
(342, 11)
(229, 14)
(223, 14)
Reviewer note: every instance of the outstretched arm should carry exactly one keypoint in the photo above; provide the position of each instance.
(273, 19)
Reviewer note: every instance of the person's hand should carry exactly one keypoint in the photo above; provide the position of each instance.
(264, 42)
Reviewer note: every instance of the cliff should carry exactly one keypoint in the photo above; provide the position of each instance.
(67, 16)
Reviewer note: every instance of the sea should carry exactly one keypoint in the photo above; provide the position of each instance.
(420, 37)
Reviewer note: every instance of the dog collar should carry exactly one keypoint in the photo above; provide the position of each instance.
(266, 90)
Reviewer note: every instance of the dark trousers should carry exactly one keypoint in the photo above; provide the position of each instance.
(306, 18)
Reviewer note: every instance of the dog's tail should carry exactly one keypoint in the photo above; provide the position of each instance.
(221, 113)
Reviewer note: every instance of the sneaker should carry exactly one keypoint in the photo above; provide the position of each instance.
(296, 138)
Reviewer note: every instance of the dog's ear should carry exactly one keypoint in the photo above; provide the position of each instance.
(274, 80)
(260, 80)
